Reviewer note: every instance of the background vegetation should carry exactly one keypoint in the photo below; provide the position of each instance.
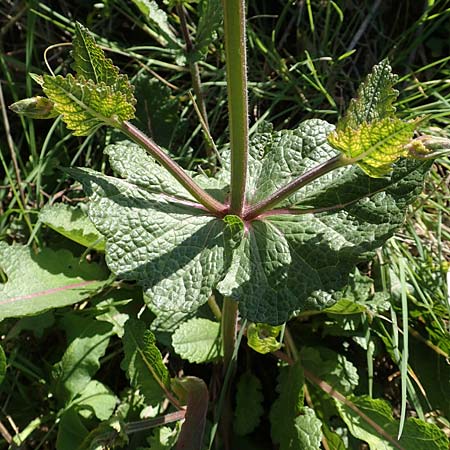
(306, 59)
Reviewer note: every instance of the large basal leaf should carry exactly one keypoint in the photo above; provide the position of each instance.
(85, 105)
(300, 260)
(174, 251)
(50, 279)
(417, 435)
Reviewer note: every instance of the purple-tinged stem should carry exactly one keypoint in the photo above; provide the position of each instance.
(210, 203)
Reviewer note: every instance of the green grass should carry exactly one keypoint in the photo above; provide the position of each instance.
(306, 60)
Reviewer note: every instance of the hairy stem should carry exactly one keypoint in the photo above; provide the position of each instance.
(286, 191)
(210, 203)
(229, 328)
(236, 57)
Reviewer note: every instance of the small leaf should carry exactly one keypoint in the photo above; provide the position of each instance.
(288, 405)
(73, 223)
(71, 431)
(164, 438)
(417, 435)
(375, 146)
(50, 279)
(249, 409)
(263, 338)
(91, 63)
(81, 359)
(137, 361)
(86, 106)
(193, 392)
(110, 434)
(95, 398)
(375, 98)
(35, 108)
(197, 340)
(308, 431)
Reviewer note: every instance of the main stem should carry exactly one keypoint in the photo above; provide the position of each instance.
(210, 203)
(236, 62)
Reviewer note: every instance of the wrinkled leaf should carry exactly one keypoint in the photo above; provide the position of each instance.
(375, 98)
(417, 435)
(91, 63)
(50, 279)
(288, 405)
(198, 340)
(174, 251)
(211, 17)
(375, 146)
(308, 432)
(73, 223)
(86, 106)
(249, 408)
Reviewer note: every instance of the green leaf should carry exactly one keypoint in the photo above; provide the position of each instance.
(417, 435)
(81, 359)
(86, 106)
(198, 340)
(308, 432)
(210, 21)
(35, 108)
(174, 251)
(143, 362)
(301, 259)
(95, 398)
(375, 146)
(249, 409)
(263, 338)
(111, 433)
(331, 367)
(375, 98)
(73, 223)
(288, 405)
(159, 22)
(50, 279)
(71, 431)
(164, 438)
(2, 365)
(91, 63)
(133, 163)
(158, 110)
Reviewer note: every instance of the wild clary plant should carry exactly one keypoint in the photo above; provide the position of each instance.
(277, 231)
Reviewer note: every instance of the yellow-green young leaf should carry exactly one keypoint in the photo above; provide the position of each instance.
(263, 338)
(375, 98)
(91, 63)
(35, 108)
(374, 146)
(84, 105)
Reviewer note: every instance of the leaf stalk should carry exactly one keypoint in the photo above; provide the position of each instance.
(287, 190)
(209, 202)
